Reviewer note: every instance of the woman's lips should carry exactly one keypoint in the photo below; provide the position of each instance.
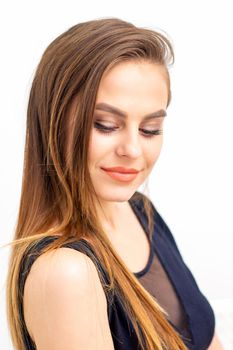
(124, 177)
(120, 169)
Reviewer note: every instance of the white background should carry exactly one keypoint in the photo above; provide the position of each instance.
(191, 184)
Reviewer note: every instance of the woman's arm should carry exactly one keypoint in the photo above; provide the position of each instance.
(65, 306)
(215, 344)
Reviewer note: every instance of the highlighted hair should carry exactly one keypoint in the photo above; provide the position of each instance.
(56, 184)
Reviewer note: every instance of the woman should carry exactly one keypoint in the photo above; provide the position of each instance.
(93, 264)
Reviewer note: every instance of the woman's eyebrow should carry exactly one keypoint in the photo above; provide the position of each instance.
(108, 108)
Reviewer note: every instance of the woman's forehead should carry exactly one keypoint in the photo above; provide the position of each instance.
(129, 85)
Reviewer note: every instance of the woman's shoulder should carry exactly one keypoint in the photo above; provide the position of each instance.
(70, 257)
(59, 260)
(59, 282)
(60, 268)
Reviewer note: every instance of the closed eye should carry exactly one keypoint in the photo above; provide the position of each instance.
(107, 130)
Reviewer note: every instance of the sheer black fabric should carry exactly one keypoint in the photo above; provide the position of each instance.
(157, 283)
(166, 277)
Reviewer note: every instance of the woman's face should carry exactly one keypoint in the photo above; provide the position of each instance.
(121, 132)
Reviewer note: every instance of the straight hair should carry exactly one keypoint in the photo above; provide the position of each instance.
(56, 184)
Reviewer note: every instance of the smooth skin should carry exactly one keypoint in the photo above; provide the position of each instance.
(136, 89)
(64, 302)
(65, 305)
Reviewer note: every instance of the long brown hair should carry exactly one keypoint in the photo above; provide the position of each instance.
(57, 188)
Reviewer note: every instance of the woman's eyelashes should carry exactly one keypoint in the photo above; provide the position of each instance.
(107, 130)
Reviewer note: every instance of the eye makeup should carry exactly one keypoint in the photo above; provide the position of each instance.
(108, 130)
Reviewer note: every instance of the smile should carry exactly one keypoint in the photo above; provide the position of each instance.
(124, 177)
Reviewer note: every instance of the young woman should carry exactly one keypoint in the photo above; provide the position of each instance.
(93, 264)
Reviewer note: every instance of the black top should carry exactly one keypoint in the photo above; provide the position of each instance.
(165, 276)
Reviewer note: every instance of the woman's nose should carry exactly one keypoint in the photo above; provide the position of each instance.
(129, 144)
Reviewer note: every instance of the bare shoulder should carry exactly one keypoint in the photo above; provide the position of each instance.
(65, 304)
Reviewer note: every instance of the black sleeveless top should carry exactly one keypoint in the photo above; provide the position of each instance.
(166, 277)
